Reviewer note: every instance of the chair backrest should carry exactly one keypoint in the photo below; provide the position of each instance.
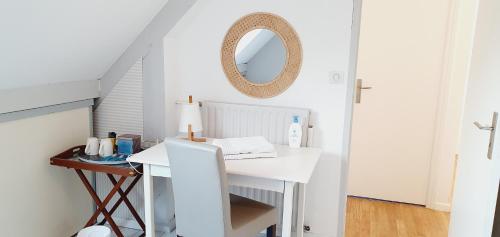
(202, 206)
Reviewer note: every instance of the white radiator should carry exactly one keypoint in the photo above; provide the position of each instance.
(224, 120)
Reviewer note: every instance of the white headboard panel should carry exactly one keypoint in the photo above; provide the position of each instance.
(223, 120)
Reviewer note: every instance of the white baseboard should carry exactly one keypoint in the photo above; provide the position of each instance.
(309, 234)
(440, 206)
(132, 224)
(168, 228)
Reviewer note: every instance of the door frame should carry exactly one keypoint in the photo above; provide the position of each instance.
(440, 130)
(444, 101)
(349, 109)
(455, 73)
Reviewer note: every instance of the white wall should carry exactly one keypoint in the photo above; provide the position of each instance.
(39, 199)
(192, 58)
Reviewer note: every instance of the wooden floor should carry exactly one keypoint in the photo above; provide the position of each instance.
(371, 218)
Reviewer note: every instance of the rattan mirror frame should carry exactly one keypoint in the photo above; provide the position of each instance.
(291, 41)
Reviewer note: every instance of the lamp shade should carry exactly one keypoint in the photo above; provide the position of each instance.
(190, 114)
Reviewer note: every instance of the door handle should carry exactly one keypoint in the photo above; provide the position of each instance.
(493, 130)
(359, 89)
(483, 127)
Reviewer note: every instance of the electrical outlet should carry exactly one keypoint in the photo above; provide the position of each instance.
(336, 78)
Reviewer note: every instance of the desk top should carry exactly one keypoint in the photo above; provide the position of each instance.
(292, 164)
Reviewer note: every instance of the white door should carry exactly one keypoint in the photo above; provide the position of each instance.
(477, 176)
(400, 56)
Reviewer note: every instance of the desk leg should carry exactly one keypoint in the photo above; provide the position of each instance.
(149, 202)
(301, 209)
(287, 210)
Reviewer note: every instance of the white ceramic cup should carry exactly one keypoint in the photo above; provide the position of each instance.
(106, 147)
(92, 147)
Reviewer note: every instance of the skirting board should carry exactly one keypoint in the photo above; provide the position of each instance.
(441, 206)
(166, 228)
(316, 235)
(132, 224)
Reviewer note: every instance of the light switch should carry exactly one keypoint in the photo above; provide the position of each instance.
(336, 78)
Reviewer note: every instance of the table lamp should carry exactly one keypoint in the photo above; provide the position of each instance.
(190, 120)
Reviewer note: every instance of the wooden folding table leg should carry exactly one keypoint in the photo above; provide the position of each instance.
(101, 205)
(127, 202)
(127, 191)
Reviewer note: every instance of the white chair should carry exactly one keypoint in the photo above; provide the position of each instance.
(203, 205)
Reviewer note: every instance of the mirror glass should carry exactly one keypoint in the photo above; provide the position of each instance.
(260, 56)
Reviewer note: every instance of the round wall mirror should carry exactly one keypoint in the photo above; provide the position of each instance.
(261, 55)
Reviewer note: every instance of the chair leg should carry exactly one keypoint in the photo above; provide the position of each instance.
(271, 231)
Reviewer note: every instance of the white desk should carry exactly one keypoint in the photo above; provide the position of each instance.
(293, 166)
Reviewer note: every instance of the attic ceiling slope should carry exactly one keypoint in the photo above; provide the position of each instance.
(150, 39)
(52, 41)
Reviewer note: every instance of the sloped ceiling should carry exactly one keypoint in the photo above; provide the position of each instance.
(54, 41)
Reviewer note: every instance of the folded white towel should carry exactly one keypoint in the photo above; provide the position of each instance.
(251, 156)
(244, 145)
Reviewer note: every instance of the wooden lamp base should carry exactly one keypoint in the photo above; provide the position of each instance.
(191, 136)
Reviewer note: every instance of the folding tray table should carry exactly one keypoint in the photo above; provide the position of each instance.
(70, 160)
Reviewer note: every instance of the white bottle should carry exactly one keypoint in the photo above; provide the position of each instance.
(295, 133)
